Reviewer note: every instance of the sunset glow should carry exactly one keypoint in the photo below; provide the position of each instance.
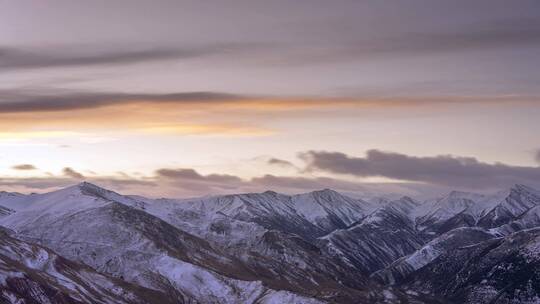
(268, 82)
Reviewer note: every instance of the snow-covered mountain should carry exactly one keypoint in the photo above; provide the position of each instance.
(498, 270)
(30, 273)
(457, 209)
(309, 215)
(509, 205)
(99, 228)
(462, 209)
(317, 247)
(376, 240)
(452, 240)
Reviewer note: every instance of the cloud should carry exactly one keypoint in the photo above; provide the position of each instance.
(418, 176)
(72, 56)
(69, 172)
(189, 179)
(447, 170)
(495, 34)
(279, 162)
(190, 174)
(40, 113)
(185, 182)
(50, 183)
(188, 182)
(351, 47)
(194, 185)
(343, 46)
(537, 156)
(43, 113)
(302, 184)
(34, 184)
(24, 167)
(14, 102)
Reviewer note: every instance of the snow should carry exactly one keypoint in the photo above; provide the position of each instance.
(308, 207)
(202, 283)
(388, 295)
(129, 254)
(422, 257)
(444, 208)
(12, 200)
(281, 297)
(73, 280)
(8, 274)
(230, 224)
(321, 204)
(532, 250)
(11, 297)
(209, 285)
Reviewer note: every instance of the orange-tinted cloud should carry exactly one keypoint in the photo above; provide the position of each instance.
(191, 113)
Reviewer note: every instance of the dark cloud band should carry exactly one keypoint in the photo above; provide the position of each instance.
(73, 56)
(445, 170)
(190, 174)
(350, 47)
(13, 102)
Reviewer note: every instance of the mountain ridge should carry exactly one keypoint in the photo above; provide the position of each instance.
(315, 247)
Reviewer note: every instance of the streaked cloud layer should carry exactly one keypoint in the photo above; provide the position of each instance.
(196, 97)
(72, 56)
(13, 101)
(495, 34)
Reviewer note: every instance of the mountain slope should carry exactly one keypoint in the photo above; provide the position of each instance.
(462, 209)
(501, 270)
(514, 203)
(261, 247)
(457, 209)
(32, 274)
(318, 247)
(376, 241)
(83, 223)
(452, 240)
(309, 215)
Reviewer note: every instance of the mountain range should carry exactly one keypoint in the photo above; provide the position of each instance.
(87, 244)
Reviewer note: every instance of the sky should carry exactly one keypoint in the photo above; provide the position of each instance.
(189, 98)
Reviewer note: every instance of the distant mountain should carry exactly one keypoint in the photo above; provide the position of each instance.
(510, 205)
(317, 247)
(457, 209)
(462, 209)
